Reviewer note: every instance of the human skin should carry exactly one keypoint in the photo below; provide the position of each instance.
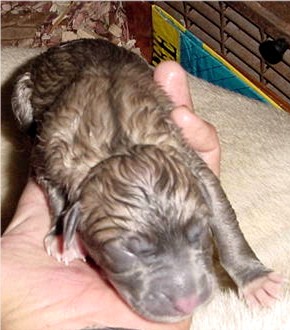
(40, 293)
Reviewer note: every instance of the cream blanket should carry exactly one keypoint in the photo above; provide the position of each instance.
(255, 174)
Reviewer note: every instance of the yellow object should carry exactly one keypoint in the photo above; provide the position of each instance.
(166, 42)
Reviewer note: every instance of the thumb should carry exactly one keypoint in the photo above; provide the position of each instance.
(200, 135)
(173, 79)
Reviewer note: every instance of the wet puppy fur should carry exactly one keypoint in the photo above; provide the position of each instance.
(118, 174)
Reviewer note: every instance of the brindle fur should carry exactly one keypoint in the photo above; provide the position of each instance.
(117, 171)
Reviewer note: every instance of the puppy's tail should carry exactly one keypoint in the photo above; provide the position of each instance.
(21, 101)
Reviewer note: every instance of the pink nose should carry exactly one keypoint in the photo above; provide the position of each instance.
(187, 304)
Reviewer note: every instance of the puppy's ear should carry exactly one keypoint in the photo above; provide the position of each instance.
(70, 223)
(236, 256)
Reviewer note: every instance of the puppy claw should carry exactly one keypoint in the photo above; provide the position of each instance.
(55, 247)
(263, 291)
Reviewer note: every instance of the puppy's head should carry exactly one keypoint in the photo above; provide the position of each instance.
(145, 222)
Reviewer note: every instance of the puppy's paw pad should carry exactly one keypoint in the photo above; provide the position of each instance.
(263, 291)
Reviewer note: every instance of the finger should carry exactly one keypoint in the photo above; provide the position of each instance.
(200, 135)
(173, 79)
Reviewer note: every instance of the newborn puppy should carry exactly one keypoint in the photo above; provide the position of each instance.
(120, 179)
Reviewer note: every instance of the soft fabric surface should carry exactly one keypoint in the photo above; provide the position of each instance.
(255, 174)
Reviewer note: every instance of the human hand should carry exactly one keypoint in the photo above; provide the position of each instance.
(201, 135)
(38, 292)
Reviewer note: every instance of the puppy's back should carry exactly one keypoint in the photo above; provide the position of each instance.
(93, 108)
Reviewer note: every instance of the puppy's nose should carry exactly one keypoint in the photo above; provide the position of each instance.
(187, 304)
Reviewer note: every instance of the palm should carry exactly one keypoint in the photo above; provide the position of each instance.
(50, 293)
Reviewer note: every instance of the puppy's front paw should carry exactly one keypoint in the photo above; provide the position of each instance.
(54, 247)
(263, 291)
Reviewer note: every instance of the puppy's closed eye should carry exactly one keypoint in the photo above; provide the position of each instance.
(140, 245)
(117, 257)
(197, 227)
(194, 232)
